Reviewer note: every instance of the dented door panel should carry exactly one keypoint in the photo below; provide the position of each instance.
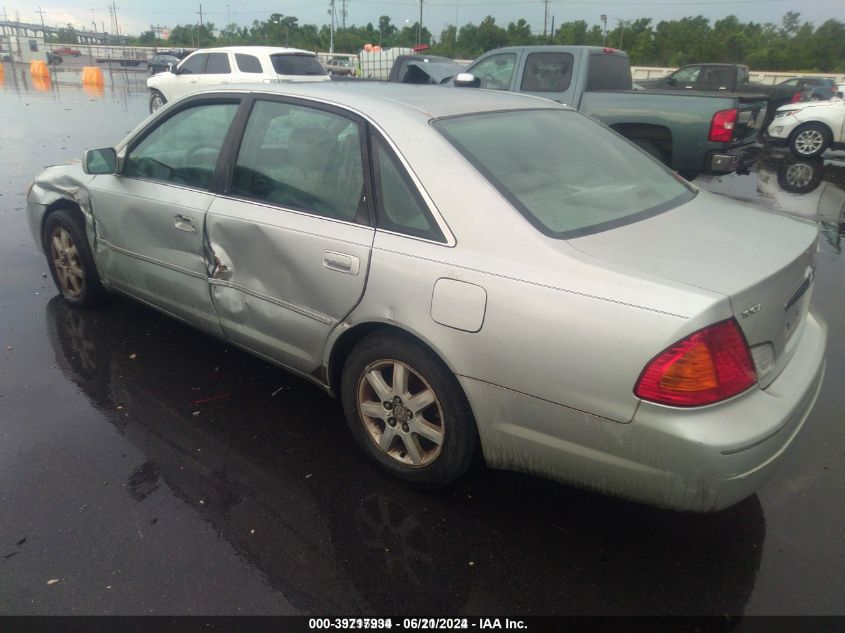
(285, 278)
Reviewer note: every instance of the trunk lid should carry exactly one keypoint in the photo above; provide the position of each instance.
(762, 261)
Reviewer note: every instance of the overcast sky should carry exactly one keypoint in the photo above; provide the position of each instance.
(138, 16)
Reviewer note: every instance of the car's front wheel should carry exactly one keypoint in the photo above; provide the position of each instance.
(157, 100)
(407, 411)
(70, 261)
(809, 140)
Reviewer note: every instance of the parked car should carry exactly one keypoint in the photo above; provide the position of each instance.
(341, 66)
(809, 128)
(709, 78)
(801, 89)
(67, 50)
(581, 313)
(54, 59)
(160, 63)
(234, 64)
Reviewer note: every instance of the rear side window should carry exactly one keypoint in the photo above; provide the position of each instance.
(218, 64)
(400, 207)
(297, 64)
(609, 72)
(301, 158)
(194, 65)
(247, 63)
(547, 72)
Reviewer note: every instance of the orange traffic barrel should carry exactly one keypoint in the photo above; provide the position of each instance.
(2, 73)
(44, 84)
(94, 90)
(38, 68)
(92, 76)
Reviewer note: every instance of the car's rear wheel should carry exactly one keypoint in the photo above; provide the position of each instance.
(809, 140)
(407, 411)
(70, 260)
(157, 100)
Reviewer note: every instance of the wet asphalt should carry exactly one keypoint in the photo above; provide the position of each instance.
(146, 468)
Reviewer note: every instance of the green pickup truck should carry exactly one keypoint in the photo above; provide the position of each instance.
(692, 132)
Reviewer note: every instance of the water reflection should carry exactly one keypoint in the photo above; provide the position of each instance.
(266, 460)
(809, 188)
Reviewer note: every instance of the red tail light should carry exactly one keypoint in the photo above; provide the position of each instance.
(722, 125)
(710, 365)
(795, 98)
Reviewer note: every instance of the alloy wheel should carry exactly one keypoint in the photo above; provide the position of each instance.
(401, 413)
(809, 142)
(799, 175)
(67, 263)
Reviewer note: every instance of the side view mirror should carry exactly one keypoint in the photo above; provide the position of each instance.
(671, 81)
(467, 80)
(99, 161)
(171, 68)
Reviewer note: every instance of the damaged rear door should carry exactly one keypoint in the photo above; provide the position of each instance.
(290, 239)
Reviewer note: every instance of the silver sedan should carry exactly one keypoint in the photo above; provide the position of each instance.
(471, 272)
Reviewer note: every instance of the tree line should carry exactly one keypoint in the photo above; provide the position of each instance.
(792, 45)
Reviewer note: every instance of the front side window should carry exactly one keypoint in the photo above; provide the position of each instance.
(193, 65)
(183, 150)
(547, 72)
(400, 207)
(687, 75)
(301, 158)
(218, 64)
(566, 173)
(496, 71)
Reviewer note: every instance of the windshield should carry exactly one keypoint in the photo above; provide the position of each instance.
(566, 173)
(297, 64)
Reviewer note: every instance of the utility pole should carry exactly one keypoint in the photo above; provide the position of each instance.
(343, 15)
(44, 31)
(331, 33)
(419, 28)
(200, 30)
(545, 18)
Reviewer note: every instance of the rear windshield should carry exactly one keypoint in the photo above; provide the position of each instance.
(609, 72)
(296, 64)
(568, 175)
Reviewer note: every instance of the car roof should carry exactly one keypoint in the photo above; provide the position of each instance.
(381, 100)
(257, 50)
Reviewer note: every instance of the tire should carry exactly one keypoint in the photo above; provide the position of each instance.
(446, 445)
(157, 100)
(809, 140)
(70, 261)
(800, 176)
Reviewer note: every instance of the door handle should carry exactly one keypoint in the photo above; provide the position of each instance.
(341, 262)
(184, 223)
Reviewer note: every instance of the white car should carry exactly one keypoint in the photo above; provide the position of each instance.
(234, 64)
(809, 127)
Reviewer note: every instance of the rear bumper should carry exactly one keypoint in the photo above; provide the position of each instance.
(699, 460)
(730, 160)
